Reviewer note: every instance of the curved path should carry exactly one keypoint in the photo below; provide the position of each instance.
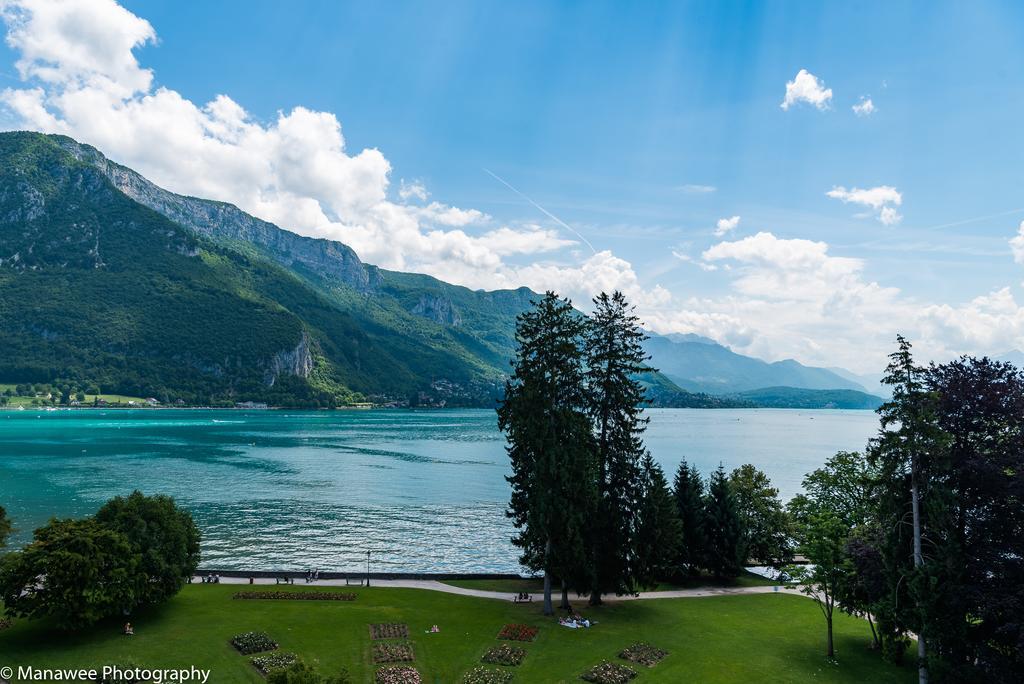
(434, 585)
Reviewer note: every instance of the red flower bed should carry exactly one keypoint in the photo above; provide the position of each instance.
(516, 632)
(296, 595)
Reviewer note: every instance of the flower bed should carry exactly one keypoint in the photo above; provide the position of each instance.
(518, 633)
(609, 673)
(398, 674)
(392, 653)
(253, 642)
(504, 655)
(295, 595)
(643, 654)
(389, 630)
(273, 661)
(483, 675)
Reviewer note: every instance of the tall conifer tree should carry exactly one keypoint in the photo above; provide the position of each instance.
(659, 532)
(688, 490)
(544, 418)
(615, 357)
(723, 527)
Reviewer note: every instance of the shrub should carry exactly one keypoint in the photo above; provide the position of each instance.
(392, 653)
(609, 673)
(518, 633)
(5, 622)
(389, 630)
(253, 642)
(274, 661)
(398, 674)
(294, 596)
(483, 675)
(643, 654)
(504, 655)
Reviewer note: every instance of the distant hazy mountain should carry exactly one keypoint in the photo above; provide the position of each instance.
(700, 364)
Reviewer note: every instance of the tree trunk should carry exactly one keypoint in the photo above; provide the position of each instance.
(565, 597)
(595, 597)
(831, 651)
(875, 643)
(548, 609)
(915, 501)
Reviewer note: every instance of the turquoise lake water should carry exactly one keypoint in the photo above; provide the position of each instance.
(422, 490)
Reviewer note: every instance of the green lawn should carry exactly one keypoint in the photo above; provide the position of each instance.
(535, 586)
(754, 638)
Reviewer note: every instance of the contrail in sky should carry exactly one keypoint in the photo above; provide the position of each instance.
(542, 209)
(976, 219)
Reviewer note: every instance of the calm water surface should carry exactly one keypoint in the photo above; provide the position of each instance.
(422, 490)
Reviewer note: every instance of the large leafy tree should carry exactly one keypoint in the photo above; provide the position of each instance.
(972, 609)
(821, 537)
(74, 571)
(548, 431)
(688, 490)
(163, 535)
(725, 551)
(659, 531)
(766, 526)
(614, 358)
(836, 506)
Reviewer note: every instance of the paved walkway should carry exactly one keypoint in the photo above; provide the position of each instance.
(434, 585)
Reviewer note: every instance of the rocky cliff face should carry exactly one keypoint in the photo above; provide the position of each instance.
(438, 309)
(298, 362)
(219, 220)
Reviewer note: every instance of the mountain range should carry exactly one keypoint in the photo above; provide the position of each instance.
(108, 280)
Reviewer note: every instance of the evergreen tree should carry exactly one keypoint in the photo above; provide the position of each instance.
(725, 552)
(689, 496)
(544, 418)
(659, 531)
(615, 356)
(907, 442)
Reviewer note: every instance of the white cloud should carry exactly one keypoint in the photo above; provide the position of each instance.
(883, 199)
(412, 190)
(807, 87)
(865, 107)
(1017, 244)
(691, 189)
(794, 298)
(726, 225)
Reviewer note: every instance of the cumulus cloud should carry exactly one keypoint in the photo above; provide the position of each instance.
(1017, 244)
(412, 190)
(807, 87)
(726, 225)
(865, 107)
(882, 199)
(792, 297)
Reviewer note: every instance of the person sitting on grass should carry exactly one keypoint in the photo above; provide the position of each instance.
(128, 629)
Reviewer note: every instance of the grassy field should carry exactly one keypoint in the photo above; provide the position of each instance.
(535, 586)
(762, 638)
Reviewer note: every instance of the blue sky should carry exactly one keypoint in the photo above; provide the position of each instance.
(603, 113)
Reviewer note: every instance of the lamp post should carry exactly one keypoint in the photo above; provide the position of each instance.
(367, 567)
